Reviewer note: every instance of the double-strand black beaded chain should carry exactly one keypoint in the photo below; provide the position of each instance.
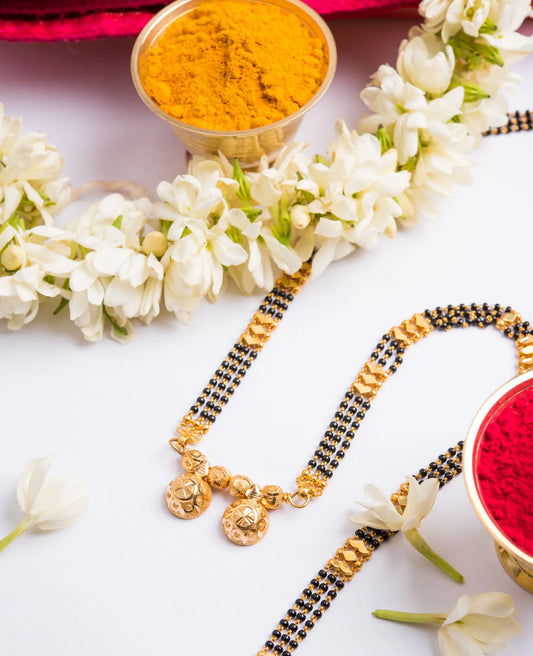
(322, 590)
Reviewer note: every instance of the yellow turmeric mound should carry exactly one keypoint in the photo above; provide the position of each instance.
(233, 65)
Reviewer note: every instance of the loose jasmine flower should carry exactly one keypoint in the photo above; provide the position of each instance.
(382, 514)
(475, 626)
(48, 503)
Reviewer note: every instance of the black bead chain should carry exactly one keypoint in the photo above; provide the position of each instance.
(517, 122)
(389, 354)
(323, 589)
(232, 369)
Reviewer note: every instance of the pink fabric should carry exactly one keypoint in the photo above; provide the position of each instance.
(68, 20)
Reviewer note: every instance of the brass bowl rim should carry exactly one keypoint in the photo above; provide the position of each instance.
(174, 8)
(518, 382)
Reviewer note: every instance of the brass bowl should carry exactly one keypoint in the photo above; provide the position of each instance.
(247, 145)
(517, 563)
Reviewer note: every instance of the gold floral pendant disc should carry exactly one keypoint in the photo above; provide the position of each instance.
(188, 496)
(245, 522)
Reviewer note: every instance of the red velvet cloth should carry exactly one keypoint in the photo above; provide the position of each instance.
(73, 20)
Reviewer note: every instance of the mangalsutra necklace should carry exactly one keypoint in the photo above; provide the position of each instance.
(246, 520)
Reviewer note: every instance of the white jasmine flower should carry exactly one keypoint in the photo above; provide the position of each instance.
(30, 262)
(193, 197)
(214, 171)
(426, 62)
(475, 626)
(113, 221)
(285, 257)
(492, 111)
(257, 270)
(397, 105)
(480, 624)
(382, 514)
(48, 503)
(194, 263)
(332, 243)
(281, 177)
(357, 200)
(116, 283)
(29, 174)
(442, 157)
(20, 295)
(116, 280)
(467, 15)
(434, 11)
(471, 16)
(300, 217)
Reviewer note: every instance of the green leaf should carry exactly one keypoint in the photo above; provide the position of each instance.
(119, 330)
(384, 139)
(62, 304)
(234, 234)
(488, 27)
(244, 187)
(282, 222)
(117, 223)
(64, 301)
(164, 226)
(490, 54)
(252, 213)
(410, 165)
(473, 93)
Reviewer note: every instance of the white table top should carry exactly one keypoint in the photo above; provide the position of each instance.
(129, 578)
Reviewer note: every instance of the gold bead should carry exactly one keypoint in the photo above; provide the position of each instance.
(272, 497)
(195, 462)
(245, 522)
(239, 485)
(218, 477)
(155, 242)
(188, 496)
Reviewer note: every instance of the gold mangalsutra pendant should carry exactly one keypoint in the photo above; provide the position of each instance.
(188, 496)
(245, 522)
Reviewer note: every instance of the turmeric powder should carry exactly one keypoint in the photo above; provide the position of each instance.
(233, 65)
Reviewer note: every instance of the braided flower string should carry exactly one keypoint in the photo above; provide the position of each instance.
(123, 259)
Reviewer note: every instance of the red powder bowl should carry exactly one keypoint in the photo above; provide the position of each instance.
(498, 468)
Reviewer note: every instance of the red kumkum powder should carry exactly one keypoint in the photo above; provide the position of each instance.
(505, 469)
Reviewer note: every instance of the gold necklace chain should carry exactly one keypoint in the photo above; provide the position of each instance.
(246, 520)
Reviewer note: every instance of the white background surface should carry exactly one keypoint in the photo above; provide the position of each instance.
(131, 579)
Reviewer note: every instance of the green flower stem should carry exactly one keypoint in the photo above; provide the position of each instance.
(24, 524)
(423, 547)
(413, 618)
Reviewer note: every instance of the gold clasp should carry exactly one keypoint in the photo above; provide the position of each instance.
(302, 494)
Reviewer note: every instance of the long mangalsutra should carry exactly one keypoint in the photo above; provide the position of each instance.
(246, 520)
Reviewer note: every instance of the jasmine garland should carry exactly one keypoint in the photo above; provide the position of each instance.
(122, 260)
